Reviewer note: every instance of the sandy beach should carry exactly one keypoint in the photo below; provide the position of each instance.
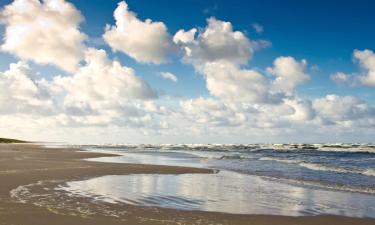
(25, 164)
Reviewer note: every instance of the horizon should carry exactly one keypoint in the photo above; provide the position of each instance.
(88, 72)
(329, 144)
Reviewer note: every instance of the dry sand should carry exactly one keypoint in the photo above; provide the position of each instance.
(23, 164)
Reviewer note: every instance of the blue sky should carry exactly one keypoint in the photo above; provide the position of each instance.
(324, 33)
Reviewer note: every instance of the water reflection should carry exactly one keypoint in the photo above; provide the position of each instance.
(225, 192)
(155, 158)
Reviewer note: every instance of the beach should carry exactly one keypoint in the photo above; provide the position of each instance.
(44, 169)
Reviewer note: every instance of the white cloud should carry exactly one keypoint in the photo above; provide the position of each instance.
(105, 93)
(217, 42)
(341, 78)
(184, 37)
(100, 93)
(243, 97)
(286, 114)
(104, 81)
(21, 93)
(302, 109)
(231, 83)
(218, 52)
(289, 73)
(169, 76)
(340, 109)
(211, 112)
(250, 99)
(366, 59)
(45, 32)
(133, 114)
(258, 28)
(145, 41)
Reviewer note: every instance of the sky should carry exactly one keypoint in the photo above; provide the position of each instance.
(215, 71)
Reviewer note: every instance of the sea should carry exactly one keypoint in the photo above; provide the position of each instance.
(277, 179)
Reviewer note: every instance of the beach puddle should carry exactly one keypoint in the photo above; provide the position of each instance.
(225, 191)
(45, 194)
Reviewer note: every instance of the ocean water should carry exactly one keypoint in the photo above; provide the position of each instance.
(258, 179)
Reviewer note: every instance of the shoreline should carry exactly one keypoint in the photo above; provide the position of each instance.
(24, 164)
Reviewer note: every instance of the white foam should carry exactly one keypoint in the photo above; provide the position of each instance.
(320, 167)
(369, 172)
(291, 161)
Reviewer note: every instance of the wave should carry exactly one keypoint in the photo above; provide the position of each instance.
(238, 157)
(364, 190)
(369, 172)
(321, 167)
(219, 155)
(349, 148)
(292, 161)
(224, 152)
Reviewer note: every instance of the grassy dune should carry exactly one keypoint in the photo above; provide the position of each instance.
(6, 140)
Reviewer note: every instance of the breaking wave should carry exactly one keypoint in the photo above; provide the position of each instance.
(321, 167)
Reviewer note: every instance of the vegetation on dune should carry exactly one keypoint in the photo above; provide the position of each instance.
(6, 140)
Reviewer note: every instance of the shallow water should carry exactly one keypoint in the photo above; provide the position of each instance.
(339, 169)
(228, 192)
(251, 180)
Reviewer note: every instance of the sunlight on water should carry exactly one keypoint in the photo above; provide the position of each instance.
(224, 192)
(337, 170)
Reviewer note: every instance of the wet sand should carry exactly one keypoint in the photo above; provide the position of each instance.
(23, 164)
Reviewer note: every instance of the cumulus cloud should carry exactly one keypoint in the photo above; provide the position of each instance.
(103, 82)
(218, 52)
(145, 41)
(251, 96)
(211, 112)
(104, 92)
(366, 59)
(231, 83)
(301, 109)
(135, 114)
(169, 76)
(289, 73)
(241, 96)
(184, 37)
(216, 113)
(45, 32)
(21, 92)
(340, 109)
(100, 93)
(218, 41)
